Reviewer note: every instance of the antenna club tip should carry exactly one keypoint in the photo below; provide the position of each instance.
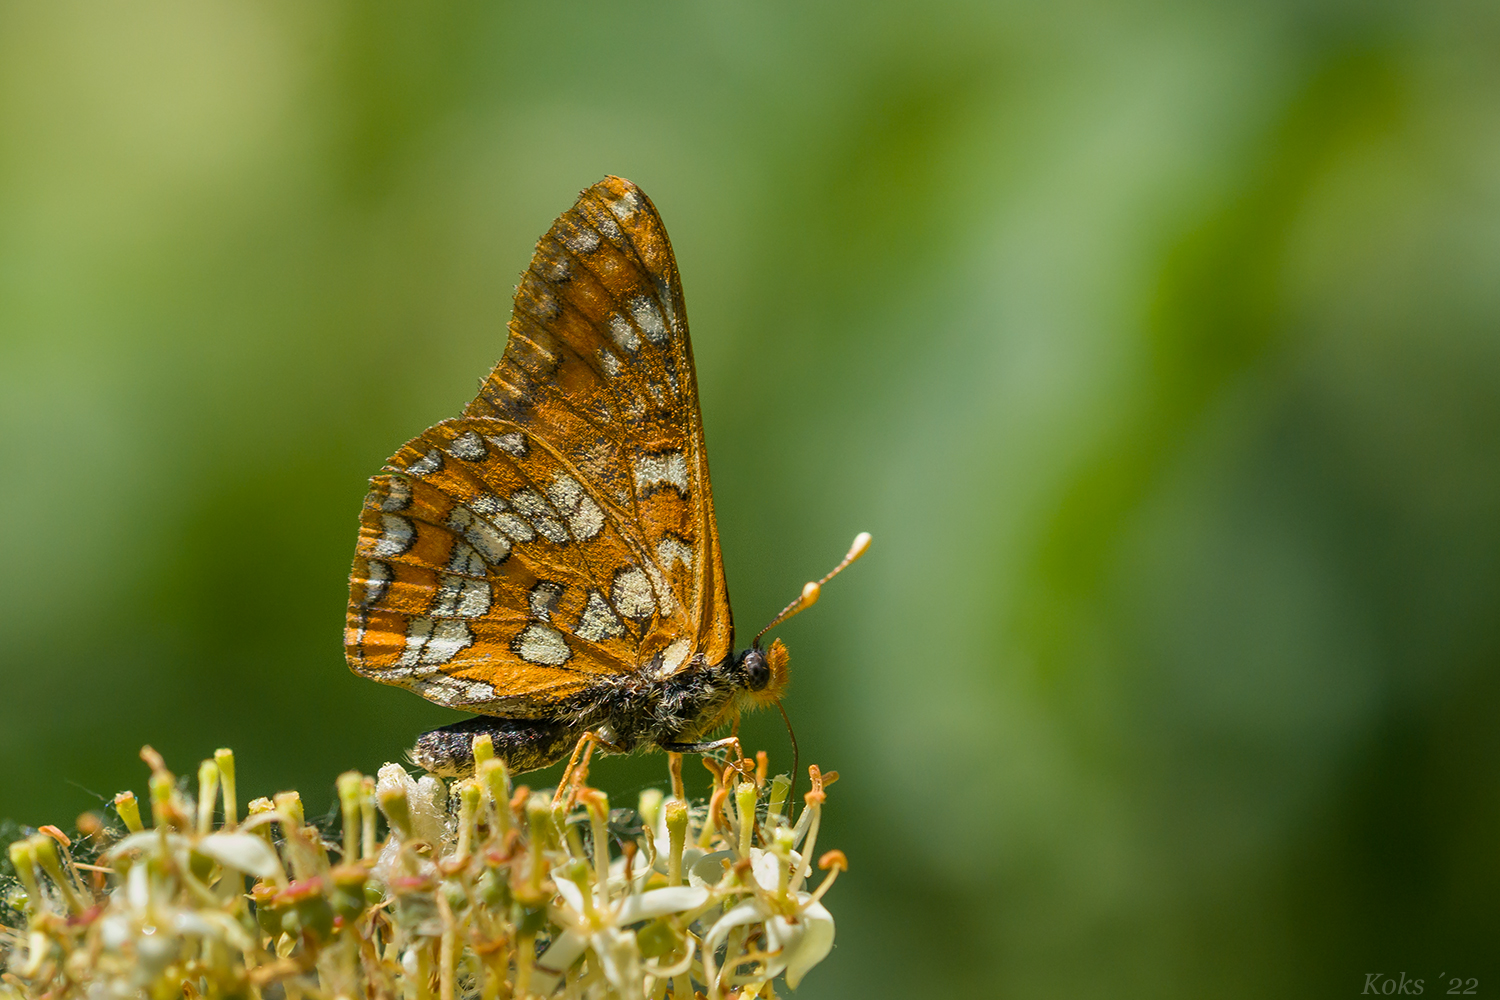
(814, 590)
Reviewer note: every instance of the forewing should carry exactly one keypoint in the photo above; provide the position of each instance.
(600, 365)
(563, 528)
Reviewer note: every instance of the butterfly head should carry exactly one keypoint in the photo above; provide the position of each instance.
(765, 674)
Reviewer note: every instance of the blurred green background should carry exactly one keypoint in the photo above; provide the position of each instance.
(1157, 344)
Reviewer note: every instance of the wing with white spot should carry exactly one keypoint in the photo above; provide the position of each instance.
(600, 366)
(562, 528)
(488, 576)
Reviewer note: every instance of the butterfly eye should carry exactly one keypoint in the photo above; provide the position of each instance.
(757, 673)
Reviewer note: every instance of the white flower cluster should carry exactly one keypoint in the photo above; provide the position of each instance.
(478, 891)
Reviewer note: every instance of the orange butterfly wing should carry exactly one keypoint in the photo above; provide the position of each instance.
(562, 528)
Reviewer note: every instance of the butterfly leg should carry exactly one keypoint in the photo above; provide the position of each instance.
(577, 771)
(674, 767)
(737, 762)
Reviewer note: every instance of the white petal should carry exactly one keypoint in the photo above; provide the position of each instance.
(639, 875)
(620, 959)
(563, 952)
(710, 869)
(659, 902)
(766, 866)
(137, 887)
(751, 911)
(803, 944)
(144, 840)
(571, 894)
(244, 852)
(691, 854)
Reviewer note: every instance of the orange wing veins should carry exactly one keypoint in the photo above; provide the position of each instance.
(563, 526)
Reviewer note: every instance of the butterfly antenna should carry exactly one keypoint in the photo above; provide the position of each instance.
(810, 593)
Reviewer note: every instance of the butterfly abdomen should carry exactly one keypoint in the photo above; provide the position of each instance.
(524, 744)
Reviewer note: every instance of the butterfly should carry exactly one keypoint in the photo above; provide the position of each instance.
(550, 559)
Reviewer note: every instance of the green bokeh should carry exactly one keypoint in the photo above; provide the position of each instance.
(1158, 345)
